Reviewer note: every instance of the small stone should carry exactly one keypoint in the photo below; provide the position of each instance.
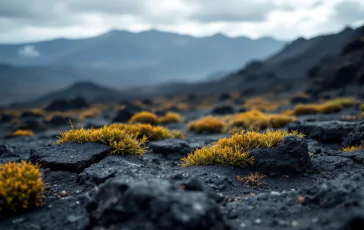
(72, 218)
(258, 221)
(18, 220)
(275, 193)
(282, 223)
(35, 226)
(63, 193)
(294, 223)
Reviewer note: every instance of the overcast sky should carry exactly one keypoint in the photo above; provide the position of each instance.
(31, 20)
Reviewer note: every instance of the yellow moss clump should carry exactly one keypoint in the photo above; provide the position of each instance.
(254, 179)
(183, 106)
(123, 141)
(206, 102)
(331, 106)
(256, 120)
(236, 149)
(38, 112)
(170, 117)
(21, 187)
(261, 103)
(148, 131)
(280, 120)
(145, 118)
(314, 109)
(207, 124)
(92, 112)
(23, 132)
(344, 101)
(352, 148)
(361, 107)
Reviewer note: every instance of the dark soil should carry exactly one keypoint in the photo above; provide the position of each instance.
(89, 189)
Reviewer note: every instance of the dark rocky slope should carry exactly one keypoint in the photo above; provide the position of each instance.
(289, 70)
(341, 74)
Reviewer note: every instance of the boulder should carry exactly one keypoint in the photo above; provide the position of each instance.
(32, 124)
(27, 114)
(108, 167)
(288, 157)
(64, 105)
(356, 156)
(343, 191)
(342, 132)
(224, 97)
(7, 152)
(223, 109)
(132, 106)
(125, 203)
(147, 101)
(173, 146)
(6, 118)
(59, 120)
(71, 156)
(123, 115)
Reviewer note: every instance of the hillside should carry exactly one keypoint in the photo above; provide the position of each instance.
(341, 74)
(27, 83)
(284, 72)
(280, 72)
(88, 90)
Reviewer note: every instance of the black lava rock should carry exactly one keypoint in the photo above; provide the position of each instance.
(64, 105)
(340, 192)
(32, 124)
(3, 150)
(224, 97)
(147, 101)
(132, 106)
(223, 109)
(5, 118)
(123, 115)
(356, 156)
(108, 167)
(26, 114)
(172, 146)
(71, 157)
(59, 120)
(289, 157)
(300, 99)
(152, 204)
(341, 132)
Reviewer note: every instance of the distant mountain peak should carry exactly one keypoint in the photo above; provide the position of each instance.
(219, 35)
(114, 32)
(85, 84)
(347, 29)
(89, 90)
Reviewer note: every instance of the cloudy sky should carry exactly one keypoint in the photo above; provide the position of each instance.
(31, 20)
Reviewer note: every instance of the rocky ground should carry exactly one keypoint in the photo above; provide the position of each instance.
(89, 189)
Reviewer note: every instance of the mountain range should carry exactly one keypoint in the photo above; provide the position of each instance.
(288, 69)
(122, 59)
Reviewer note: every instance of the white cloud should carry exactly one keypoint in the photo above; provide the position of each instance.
(29, 52)
(284, 19)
